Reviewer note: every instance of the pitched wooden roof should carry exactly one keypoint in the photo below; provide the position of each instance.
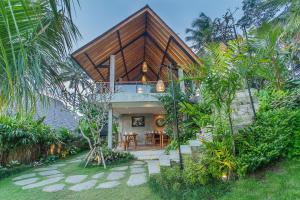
(143, 36)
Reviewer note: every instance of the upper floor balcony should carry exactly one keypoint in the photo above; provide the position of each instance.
(137, 91)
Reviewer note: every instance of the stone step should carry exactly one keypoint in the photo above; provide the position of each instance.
(153, 167)
(195, 143)
(174, 155)
(186, 149)
(165, 160)
(147, 154)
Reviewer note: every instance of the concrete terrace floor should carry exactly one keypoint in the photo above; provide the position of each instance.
(129, 181)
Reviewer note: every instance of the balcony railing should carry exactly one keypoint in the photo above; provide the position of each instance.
(137, 87)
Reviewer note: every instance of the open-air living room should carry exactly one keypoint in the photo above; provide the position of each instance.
(150, 100)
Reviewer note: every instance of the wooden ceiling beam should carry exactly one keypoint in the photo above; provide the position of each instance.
(146, 25)
(122, 53)
(118, 51)
(184, 50)
(163, 58)
(94, 65)
(132, 69)
(153, 71)
(161, 49)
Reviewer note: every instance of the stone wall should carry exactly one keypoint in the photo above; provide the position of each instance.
(242, 113)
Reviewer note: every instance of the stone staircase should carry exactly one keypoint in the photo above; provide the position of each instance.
(165, 160)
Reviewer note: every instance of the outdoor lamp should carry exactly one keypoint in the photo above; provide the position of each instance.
(160, 86)
(144, 67)
(144, 79)
(140, 90)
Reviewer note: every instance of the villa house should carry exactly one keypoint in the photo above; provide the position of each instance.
(136, 57)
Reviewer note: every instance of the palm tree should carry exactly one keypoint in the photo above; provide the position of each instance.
(75, 80)
(35, 38)
(201, 32)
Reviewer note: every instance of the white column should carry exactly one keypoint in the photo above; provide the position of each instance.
(110, 129)
(112, 64)
(180, 77)
(112, 89)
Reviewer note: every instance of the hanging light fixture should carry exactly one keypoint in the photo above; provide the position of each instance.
(144, 67)
(160, 86)
(140, 90)
(144, 79)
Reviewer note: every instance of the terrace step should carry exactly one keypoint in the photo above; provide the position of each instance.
(186, 149)
(174, 155)
(165, 160)
(195, 143)
(153, 167)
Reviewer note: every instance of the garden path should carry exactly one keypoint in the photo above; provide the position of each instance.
(52, 178)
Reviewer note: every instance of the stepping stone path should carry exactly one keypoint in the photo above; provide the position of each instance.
(26, 181)
(137, 179)
(75, 161)
(54, 188)
(55, 175)
(153, 167)
(99, 175)
(136, 166)
(120, 168)
(110, 184)
(24, 176)
(75, 179)
(115, 176)
(137, 170)
(51, 179)
(59, 165)
(83, 186)
(43, 183)
(45, 169)
(138, 162)
(50, 172)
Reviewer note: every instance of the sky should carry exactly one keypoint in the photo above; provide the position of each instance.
(94, 17)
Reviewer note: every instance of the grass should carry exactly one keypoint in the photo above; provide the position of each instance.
(282, 182)
(9, 191)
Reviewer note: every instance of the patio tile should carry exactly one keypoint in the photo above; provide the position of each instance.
(59, 165)
(42, 183)
(153, 167)
(83, 186)
(54, 188)
(110, 184)
(55, 175)
(137, 179)
(75, 178)
(50, 172)
(138, 162)
(24, 176)
(26, 181)
(115, 176)
(99, 175)
(44, 169)
(137, 170)
(119, 168)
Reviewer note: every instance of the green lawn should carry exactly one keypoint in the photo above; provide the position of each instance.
(9, 191)
(280, 183)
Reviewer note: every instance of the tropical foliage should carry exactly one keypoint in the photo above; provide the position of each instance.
(35, 38)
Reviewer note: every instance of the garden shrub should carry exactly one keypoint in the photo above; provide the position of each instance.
(26, 140)
(274, 135)
(112, 156)
(172, 183)
(23, 139)
(72, 143)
